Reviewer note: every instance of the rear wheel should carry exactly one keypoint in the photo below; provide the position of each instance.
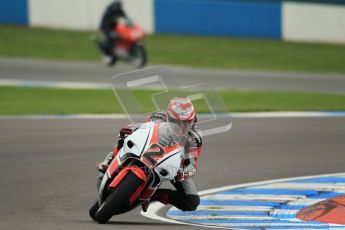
(138, 56)
(118, 199)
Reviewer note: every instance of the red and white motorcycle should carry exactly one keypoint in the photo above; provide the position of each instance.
(130, 45)
(149, 156)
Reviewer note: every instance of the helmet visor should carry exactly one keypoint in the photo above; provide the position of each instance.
(185, 125)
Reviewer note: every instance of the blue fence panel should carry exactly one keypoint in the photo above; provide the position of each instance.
(14, 12)
(219, 17)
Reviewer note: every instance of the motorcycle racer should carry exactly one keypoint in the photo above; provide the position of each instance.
(109, 20)
(181, 112)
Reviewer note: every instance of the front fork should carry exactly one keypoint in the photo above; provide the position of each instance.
(142, 193)
(104, 178)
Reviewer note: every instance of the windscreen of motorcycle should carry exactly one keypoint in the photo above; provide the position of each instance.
(168, 164)
(168, 134)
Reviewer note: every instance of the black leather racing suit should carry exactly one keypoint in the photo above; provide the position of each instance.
(109, 20)
(185, 197)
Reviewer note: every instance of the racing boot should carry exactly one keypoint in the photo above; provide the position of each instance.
(145, 205)
(109, 60)
(161, 195)
(103, 166)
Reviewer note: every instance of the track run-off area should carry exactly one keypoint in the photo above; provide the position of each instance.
(273, 204)
(94, 75)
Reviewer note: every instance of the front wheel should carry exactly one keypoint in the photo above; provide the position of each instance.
(92, 211)
(118, 199)
(138, 56)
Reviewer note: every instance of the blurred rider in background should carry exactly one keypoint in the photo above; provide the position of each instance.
(110, 18)
(180, 112)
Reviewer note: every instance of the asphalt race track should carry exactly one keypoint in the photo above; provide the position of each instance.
(48, 166)
(25, 69)
(48, 169)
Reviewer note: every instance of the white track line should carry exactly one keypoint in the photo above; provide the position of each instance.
(326, 187)
(231, 208)
(304, 202)
(253, 197)
(266, 224)
(221, 217)
(54, 84)
(155, 208)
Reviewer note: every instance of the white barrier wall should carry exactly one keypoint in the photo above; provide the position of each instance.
(85, 14)
(313, 22)
(141, 11)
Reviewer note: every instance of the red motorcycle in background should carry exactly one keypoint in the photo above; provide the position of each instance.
(130, 47)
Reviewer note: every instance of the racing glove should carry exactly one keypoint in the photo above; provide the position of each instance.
(185, 173)
(124, 133)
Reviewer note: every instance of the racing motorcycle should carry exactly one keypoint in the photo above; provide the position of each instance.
(149, 156)
(130, 47)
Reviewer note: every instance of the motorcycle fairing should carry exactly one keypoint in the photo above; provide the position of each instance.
(135, 147)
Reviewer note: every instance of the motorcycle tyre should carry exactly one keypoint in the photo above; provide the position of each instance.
(138, 56)
(118, 199)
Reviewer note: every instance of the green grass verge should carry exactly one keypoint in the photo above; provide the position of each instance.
(20, 101)
(217, 52)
